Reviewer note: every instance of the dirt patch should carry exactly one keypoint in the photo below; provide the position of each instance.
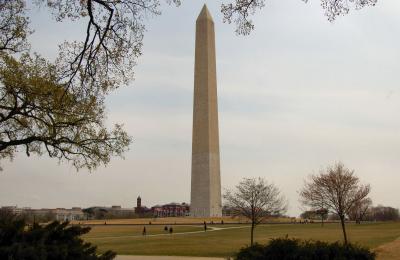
(389, 251)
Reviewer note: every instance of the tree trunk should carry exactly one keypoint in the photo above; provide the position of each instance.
(344, 229)
(252, 233)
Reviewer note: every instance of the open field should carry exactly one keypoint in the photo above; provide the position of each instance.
(223, 240)
(173, 220)
(105, 232)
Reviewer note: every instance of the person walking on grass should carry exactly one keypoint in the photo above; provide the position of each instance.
(171, 230)
(205, 226)
(144, 231)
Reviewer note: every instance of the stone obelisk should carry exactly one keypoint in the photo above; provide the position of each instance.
(206, 180)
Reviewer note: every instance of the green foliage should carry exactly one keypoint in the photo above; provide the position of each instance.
(54, 241)
(295, 249)
(40, 115)
(57, 107)
(13, 26)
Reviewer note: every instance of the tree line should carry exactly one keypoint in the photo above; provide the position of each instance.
(335, 191)
(377, 213)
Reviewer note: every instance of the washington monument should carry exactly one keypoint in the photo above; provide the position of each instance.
(206, 179)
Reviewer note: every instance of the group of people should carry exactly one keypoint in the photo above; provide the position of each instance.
(170, 230)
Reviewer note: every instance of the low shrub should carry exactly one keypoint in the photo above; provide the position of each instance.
(295, 249)
(54, 241)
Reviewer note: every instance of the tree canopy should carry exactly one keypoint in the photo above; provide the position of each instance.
(240, 11)
(57, 107)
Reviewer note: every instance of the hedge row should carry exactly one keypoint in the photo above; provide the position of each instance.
(295, 249)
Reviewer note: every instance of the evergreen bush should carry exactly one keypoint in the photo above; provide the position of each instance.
(295, 249)
(54, 241)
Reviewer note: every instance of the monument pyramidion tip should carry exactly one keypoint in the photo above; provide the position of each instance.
(205, 14)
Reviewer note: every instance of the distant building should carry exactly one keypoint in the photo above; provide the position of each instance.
(171, 210)
(229, 211)
(60, 214)
(102, 212)
(139, 209)
(14, 209)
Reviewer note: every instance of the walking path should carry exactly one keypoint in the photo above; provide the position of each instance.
(139, 257)
(211, 229)
(388, 251)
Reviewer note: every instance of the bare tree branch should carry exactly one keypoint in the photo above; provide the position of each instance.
(240, 11)
(58, 107)
(13, 26)
(336, 189)
(256, 200)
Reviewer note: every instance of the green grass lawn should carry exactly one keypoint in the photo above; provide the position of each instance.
(128, 240)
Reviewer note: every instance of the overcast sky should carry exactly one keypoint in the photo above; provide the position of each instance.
(296, 95)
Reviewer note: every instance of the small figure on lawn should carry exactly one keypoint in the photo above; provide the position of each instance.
(166, 229)
(144, 231)
(171, 230)
(205, 226)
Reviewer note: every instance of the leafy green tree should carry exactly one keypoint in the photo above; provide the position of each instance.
(38, 115)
